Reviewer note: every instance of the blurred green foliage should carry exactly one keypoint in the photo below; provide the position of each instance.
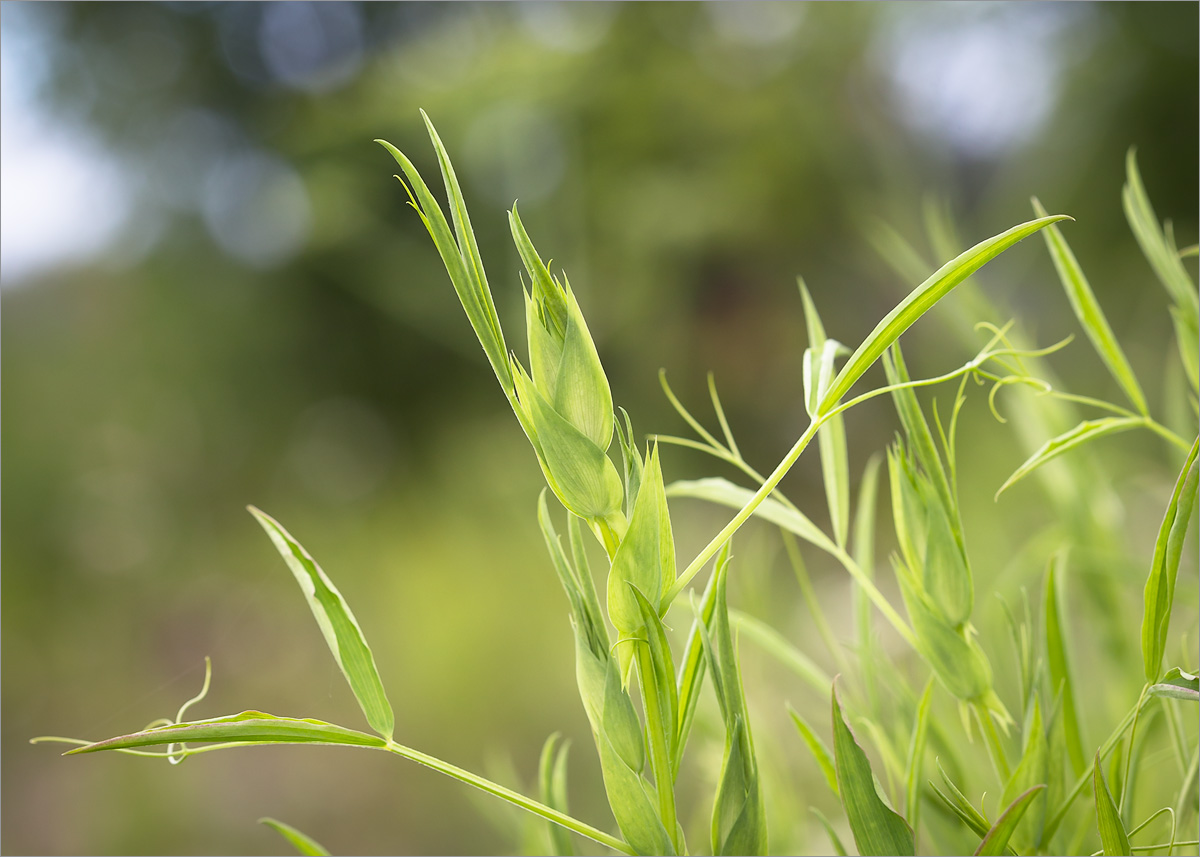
(683, 162)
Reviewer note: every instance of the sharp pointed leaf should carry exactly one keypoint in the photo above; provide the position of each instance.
(1086, 431)
(1177, 684)
(342, 632)
(1112, 831)
(818, 749)
(302, 842)
(876, 828)
(996, 840)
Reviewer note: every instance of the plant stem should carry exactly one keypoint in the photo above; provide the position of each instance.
(992, 741)
(741, 517)
(529, 804)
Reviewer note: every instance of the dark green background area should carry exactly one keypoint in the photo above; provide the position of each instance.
(683, 172)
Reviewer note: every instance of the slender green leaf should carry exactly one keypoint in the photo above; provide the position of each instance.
(778, 646)
(916, 758)
(1086, 431)
(916, 427)
(1177, 684)
(919, 301)
(1091, 316)
(725, 493)
(958, 803)
(1031, 770)
(1059, 663)
(462, 263)
(1159, 594)
(342, 632)
(876, 828)
(248, 727)
(1112, 831)
(831, 439)
(552, 786)
(657, 673)
(302, 842)
(835, 840)
(645, 559)
(691, 671)
(818, 749)
(1148, 231)
(996, 840)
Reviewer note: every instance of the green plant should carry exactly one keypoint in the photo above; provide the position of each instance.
(565, 407)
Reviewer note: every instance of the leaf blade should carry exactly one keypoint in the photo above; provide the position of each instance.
(1108, 818)
(302, 842)
(877, 829)
(338, 625)
(996, 840)
(921, 299)
(1086, 431)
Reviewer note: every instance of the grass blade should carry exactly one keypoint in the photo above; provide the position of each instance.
(342, 633)
(876, 828)
(691, 671)
(302, 842)
(996, 840)
(831, 439)
(1087, 430)
(1159, 594)
(817, 747)
(1177, 684)
(835, 840)
(1091, 316)
(778, 646)
(248, 727)
(1059, 663)
(552, 786)
(1149, 234)
(920, 300)
(916, 756)
(1112, 831)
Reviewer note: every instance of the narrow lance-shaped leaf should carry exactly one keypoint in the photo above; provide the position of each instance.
(302, 842)
(342, 633)
(916, 759)
(834, 840)
(1159, 593)
(248, 727)
(1059, 663)
(552, 786)
(996, 840)
(1031, 771)
(1091, 316)
(1112, 831)
(831, 439)
(877, 829)
(691, 670)
(1086, 431)
(781, 649)
(1148, 231)
(818, 749)
(920, 300)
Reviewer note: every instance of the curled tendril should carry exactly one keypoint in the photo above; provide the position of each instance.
(170, 753)
(1028, 380)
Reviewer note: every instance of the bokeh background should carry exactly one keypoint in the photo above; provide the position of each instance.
(214, 294)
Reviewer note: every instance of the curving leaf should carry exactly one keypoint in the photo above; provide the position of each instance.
(1159, 594)
(835, 840)
(248, 727)
(817, 747)
(780, 648)
(920, 300)
(1087, 430)
(1091, 316)
(916, 757)
(1112, 831)
(338, 625)
(1059, 664)
(302, 842)
(996, 840)
(876, 828)
(725, 493)
(1177, 684)
(552, 787)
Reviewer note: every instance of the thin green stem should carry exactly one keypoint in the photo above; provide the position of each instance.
(742, 516)
(528, 804)
(1129, 757)
(810, 598)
